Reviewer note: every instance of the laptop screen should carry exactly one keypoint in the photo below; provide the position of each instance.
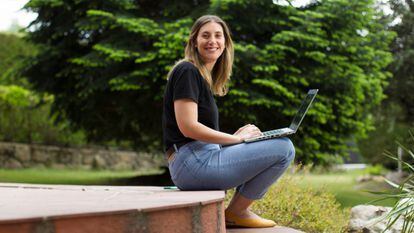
(303, 109)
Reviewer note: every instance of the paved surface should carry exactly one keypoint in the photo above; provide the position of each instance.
(25, 203)
(29, 201)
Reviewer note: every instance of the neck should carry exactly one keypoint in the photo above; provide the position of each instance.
(210, 66)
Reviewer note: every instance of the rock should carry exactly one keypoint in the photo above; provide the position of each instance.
(396, 177)
(22, 153)
(12, 164)
(98, 162)
(366, 178)
(370, 219)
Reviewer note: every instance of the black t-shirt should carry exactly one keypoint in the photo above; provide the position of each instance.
(186, 82)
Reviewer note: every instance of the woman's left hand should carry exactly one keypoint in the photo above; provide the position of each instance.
(248, 131)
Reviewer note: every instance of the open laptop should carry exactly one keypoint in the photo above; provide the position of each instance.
(306, 103)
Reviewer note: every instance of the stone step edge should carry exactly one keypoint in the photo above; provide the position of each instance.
(105, 213)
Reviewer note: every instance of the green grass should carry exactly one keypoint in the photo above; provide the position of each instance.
(66, 176)
(343, 185)
(346, 189)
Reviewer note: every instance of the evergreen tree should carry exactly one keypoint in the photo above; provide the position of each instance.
(106, 63)
(403, 65)
(24, 114)
(394, 118)
(337, 46)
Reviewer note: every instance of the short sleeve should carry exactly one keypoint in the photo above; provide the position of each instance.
(186, 85)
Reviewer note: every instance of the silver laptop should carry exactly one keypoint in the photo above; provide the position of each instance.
(306, 103)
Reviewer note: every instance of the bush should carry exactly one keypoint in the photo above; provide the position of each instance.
(405, 206)
(302, 208)
(375, 170)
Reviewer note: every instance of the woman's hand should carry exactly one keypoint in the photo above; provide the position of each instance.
(248, 131)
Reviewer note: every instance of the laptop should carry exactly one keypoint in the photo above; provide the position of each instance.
(306, 103)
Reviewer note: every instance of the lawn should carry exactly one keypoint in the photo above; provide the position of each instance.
(346, 189)
(67, 176)
(343, 185)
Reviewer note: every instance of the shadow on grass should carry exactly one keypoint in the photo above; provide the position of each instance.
(163, 179)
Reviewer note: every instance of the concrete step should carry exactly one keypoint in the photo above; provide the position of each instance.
(33, 208)
(26, 208)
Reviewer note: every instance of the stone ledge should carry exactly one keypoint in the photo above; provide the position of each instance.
(19, 155)
(29, 208)
(29, 201)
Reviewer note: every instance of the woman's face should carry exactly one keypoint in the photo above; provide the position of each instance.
(210, 42)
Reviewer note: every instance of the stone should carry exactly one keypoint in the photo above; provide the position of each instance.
(396, 177)
(22, 153)
(365, 178)
(77, 159)
(122, 166)
(371, 219)
(88, 156)
(58, 166)
(12, 164)
(64, 157)
(98, 162)
(126, 156)
(40, 155)
(32, 155)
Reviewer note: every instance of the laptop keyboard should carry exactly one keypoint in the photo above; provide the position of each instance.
(276, 131)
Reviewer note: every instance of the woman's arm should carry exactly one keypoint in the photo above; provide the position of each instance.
(186, 115)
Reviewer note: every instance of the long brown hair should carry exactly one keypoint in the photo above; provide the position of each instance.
(220, 75)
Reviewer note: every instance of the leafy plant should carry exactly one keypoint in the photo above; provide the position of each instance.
(405, 206)
(376, 170)
(304, 208)
(106, 63)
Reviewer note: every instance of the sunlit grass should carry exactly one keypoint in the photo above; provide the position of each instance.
(343, 185)
(346, 189)
(67, 176)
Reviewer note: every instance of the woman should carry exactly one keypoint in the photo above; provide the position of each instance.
(192, 139)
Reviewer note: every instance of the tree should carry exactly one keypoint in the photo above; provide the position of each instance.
(402, 68)
(395, 116)
(24, 114)
(337, 46)
(106, 63)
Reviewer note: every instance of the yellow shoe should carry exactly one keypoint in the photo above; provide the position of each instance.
(233, 220)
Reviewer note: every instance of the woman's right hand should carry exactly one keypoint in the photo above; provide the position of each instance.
(248, 131)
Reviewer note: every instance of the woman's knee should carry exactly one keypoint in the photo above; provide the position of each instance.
(290, 150)
(286, 149)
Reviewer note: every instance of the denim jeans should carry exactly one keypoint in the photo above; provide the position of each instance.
(250, 167)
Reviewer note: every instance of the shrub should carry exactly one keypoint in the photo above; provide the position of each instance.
(405, 206)
(375, 170)
(302, 208)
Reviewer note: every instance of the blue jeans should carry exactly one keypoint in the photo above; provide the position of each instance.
(251, 167)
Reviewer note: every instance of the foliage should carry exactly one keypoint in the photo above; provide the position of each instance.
(396, 113)
(24, 114)
(25, 117)
(106, 63)
(290, 50)
(390, 128)
(306, 209)
(41, 175)
(13, 50)
(402, 84)
(375, 170)
(405, 206)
